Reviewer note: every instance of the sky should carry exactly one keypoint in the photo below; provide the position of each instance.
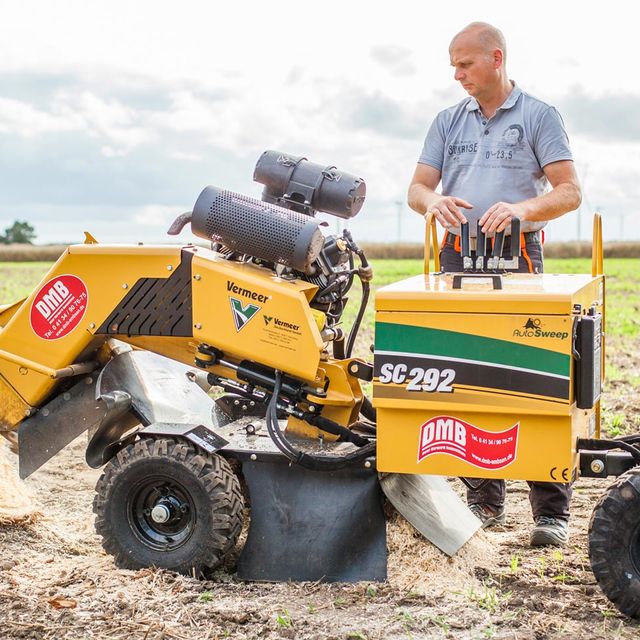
(115, 115)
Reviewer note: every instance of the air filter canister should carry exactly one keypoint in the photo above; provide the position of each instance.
(323, 188)
(257, 228)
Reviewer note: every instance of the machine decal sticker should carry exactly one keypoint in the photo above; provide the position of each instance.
(484, 449)
(431, 379)
(242, 314)
(393, 368)
(469, 347)
(58, 307)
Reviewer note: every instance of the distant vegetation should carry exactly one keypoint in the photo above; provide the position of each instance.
(391, 251)
(20, 232)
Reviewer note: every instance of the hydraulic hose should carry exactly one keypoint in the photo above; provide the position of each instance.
(306, 460)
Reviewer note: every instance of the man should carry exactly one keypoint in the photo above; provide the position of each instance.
(497, 153)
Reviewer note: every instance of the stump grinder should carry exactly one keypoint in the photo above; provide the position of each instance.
(193, 367)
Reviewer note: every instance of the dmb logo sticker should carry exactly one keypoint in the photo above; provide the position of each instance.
(58, 307)
(455, 437)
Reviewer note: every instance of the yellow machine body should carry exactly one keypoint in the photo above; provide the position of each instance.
(169, 300)
(478, 381)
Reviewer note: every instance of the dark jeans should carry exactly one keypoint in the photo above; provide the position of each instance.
(546, 498)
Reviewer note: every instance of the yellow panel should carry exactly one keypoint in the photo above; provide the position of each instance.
(107, 280)
(278, 328)
(542, 447)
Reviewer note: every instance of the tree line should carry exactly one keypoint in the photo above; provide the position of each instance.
(20, 232)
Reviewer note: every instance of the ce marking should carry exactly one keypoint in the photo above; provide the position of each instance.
(564, 474)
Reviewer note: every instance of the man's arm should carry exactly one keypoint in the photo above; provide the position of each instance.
(422, 197)
(565, 195)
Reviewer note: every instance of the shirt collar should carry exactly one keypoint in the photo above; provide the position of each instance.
(512, 98)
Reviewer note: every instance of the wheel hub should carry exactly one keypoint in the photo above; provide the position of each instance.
(162, 513)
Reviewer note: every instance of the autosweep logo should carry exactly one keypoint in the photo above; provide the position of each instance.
(480, 448)
(533, 328)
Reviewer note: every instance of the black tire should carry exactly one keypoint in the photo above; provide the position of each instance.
(197, 493)
(614, 543)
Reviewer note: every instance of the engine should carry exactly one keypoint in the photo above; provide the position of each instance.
(281, 232)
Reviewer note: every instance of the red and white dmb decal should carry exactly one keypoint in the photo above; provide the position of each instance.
(58, 307)
(455, 437)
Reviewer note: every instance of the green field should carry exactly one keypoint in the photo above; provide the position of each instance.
(17, 280)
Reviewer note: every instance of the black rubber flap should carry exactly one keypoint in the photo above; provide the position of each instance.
(313, 525)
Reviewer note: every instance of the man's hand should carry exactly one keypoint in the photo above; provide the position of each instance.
(498, 217)
(446, 211)
(424, 199)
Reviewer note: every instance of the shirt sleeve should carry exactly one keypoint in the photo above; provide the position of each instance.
(551, 142)
(433, 149)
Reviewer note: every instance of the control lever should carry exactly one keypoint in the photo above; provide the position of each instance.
(481, 247)
(498, 244)
(515, 245)
(465, 247)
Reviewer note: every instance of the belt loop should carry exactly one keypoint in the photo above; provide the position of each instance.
(444, 239)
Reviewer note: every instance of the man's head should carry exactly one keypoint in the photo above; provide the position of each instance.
(478, 53)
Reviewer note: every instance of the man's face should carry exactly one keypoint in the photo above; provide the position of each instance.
(475, 68)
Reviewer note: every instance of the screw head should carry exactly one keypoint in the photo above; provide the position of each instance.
(169, 267)
(597, 466)
(125, 286)
(197, 325)
(92, 325)
(367, 465)
(197, 276)
(253, 457)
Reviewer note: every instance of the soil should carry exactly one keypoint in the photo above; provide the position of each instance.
(57, 582)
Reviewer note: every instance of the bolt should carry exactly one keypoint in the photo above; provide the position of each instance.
(319, 390)
(236, 403)
(197, 325)
(92, 325)
(367, 465)
(353, 368)
(244, 407)
(169, 267)
(45, 412)
(23, 371)
(254, 457)
(597, 466)
(27, 412)
(67, 396)
(252, 404)
(197, 276)
(125, 286)
(312, 409)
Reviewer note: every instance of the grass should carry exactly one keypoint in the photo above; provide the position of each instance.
(17, 280)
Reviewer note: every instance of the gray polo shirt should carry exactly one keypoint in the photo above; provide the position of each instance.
(485, 161)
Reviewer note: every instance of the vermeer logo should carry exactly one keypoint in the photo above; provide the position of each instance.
(280, 324)
(533, 329)
(245, 293)
(242, 314)
(455, 437)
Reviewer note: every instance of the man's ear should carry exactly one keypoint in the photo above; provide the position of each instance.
(498, 58)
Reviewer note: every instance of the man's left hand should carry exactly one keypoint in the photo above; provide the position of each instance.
(498, 217)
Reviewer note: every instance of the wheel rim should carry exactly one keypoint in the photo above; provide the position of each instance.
(161, 513)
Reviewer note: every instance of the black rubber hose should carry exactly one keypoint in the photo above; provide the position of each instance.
(356, 325)
(308, 461)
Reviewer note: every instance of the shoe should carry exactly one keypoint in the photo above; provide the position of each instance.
(489, 516)
(549, 530)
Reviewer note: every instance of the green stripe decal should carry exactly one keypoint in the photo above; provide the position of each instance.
(452, 344)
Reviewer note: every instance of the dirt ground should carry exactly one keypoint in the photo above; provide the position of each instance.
(56, 581)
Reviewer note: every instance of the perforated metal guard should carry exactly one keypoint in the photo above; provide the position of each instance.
(257, 228)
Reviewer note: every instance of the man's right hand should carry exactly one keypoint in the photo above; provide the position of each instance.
(446, 210)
